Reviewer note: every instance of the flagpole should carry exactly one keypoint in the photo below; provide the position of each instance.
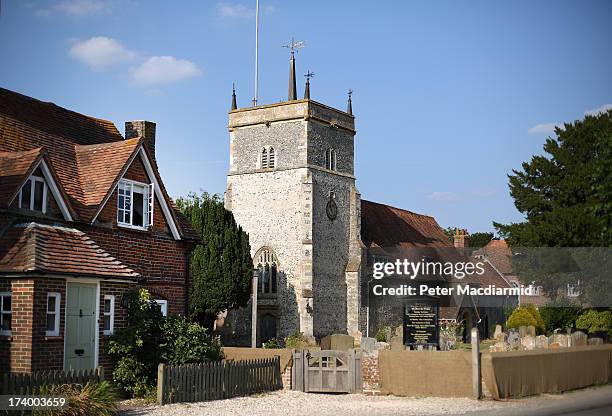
(255, 97)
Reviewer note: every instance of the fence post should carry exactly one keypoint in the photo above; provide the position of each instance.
(100, 373)
(160, 384)
(476, 376)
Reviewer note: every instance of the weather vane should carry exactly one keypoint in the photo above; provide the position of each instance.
(295, 46)
(350, 92)
(309, 75)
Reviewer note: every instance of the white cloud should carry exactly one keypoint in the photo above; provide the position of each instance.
(444, 196)
(101, 52)
(163, 69)
(76, 8)
(544, 128)
(598, 110)
(240, 11)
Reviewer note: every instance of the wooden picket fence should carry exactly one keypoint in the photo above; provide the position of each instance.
(217, 380)
(24, 384)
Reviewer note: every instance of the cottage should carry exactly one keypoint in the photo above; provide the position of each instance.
(84, 216)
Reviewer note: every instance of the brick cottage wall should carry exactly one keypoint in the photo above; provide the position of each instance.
(370, 373)
(47, 352)
(17, 348)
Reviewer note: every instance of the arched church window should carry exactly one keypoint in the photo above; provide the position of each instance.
(267, 264)
(271, 158)
(264, 158)
(330, 159)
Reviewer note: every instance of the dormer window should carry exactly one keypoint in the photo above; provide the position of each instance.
(267, 158)
(330, 159)
(33, 195)
(134, 204)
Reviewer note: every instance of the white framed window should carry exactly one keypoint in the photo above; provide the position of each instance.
(163, 305)
(53, 314)
(330, 159)
(134, 204)
(573, 290)
(33, 195)
(5, 313)
(108, 316)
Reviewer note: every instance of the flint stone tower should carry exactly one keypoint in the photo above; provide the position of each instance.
(291, 186)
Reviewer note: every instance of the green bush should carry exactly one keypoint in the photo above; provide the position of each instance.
(383, 334)
(150, 339)
(94, 399)
(595, 322)
(525, 316)
(271, 344)
(560, 314)
(297, 340)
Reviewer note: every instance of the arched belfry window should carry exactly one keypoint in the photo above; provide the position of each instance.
(330, 159)
(264, 158)
(268, 158)
(271, 158)
(267, 264)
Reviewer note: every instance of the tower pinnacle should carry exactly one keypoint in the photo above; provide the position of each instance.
(349, 106)
(307, 89)
(293, 46)
(234, 106)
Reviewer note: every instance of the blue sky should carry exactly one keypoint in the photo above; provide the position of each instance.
(449, 96)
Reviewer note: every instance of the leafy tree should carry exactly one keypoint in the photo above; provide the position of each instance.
(524, 316)
(566, 194)
(479, 239)
(221, 266)
(560, 314)
(596, 322)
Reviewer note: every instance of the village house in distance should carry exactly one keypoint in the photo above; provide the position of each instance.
(84, 216)
(291, 186)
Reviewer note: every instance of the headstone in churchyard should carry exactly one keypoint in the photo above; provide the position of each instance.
(560, 339)
(579, 339)
(595, 341)
(522, 331)
(541, 342)
(499, 347)
(554, 346)
(339, 342)
(498, 332)
(368, 344)
(531, 330)
(421, 324)
(514, 340)
(528, 342)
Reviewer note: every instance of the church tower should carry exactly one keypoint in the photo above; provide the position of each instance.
(291, 186)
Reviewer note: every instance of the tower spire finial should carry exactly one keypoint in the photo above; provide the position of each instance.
(294, 47)
(234, 106)
(349, 106)
(307, 89)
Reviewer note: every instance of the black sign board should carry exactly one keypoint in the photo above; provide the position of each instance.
(421, 323)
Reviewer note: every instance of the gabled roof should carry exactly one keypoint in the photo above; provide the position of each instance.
(34, 248)
(89, 155)
(499, 254)
(387, 226)
(15, 168)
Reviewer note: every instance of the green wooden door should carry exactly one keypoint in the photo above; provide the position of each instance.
(80, 345)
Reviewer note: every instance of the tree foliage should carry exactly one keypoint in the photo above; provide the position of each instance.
(560, 314)
(478, 240)
(566, 194)
(525, 316)
(221, 265)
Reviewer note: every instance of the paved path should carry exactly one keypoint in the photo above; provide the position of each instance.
(283, 403)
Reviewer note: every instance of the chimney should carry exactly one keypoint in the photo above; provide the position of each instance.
(461, 238)
(142, 128)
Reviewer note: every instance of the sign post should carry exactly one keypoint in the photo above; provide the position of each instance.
(421, 324)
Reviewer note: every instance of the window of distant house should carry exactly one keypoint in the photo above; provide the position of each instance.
(5, 314)
(109, 314)
(53, 314)
(267, 159)
(33, 195)
(573, 291)
(534, 290)
(163, 306)
(330, 159)
(134, 204)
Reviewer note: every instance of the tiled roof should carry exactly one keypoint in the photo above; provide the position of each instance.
(35, 248)
(87, 154)
(499, 254)
(14, 168)
(387, 226)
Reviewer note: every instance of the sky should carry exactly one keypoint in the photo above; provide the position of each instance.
(449, 96)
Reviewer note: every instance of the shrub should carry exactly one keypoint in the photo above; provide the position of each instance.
(271, 344)
(559, 314)
(149, 339)
(95, 399)
(383, 334)
(297, 340)
(595, 322)
(525, 316)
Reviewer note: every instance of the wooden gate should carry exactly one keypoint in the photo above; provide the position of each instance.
(327, 371)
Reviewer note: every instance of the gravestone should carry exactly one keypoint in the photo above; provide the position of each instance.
(499, 347)
(595, 341)
(562, 340)
(541, 342)
(554, 346)
(522, 331)
(528, 342)
(579, 339)
(338, 342)
(514, 340)
(368, 344)
(498, 332)
(531, 330)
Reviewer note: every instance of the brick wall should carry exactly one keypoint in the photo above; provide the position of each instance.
(17, 349)
(370, 373)
(47, 352)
